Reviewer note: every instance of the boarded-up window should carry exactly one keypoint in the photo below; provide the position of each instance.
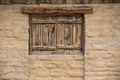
(51, 32)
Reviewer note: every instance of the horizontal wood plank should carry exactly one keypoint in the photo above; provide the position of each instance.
(54, 47)
(69, 47)
(59, 22)
(33, 10)
(43, 47)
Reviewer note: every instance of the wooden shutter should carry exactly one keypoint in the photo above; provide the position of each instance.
(55, 32)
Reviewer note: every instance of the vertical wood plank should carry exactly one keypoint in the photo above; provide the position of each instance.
(31, 1)
(41, 36)
(8, 1)
(39, 33)
(57, 1)
(36, 33)
(60, 2)
(87, 1)
(38, 1)
(74, 34)
(48, 1)
(33, 34)
(45, 34)
(53, 1)
(50, 34)
(30, 36)
(78, 32)
(41, 1)
(18, 1)
(60, 34)
(3, 1)
(70, 1)
(79, 1)
(68, 34)
(53, 34)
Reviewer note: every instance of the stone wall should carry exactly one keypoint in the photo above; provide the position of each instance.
(13, 43)
(102, 56)
(56, 67)
(102, 48)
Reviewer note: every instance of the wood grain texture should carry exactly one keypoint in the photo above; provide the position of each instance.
(5, 1)
(18, 1)
(62, 34)
(81, 10)
(70, 1)
(54, 47)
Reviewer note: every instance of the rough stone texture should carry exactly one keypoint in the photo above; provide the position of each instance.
(56, 67)
(13, 43)
(102, 53)
(102, 56)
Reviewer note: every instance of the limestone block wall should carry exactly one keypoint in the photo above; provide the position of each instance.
(102, 56)
(56, 67)
(13, 43)
(102, 48)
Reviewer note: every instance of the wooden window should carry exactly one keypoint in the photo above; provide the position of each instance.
(52, 32)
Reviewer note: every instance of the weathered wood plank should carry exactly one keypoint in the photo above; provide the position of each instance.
(43, 1)
(5, 1)
(54, 47)
(45, 36)
(18, 1)
(39, 33)
(53, 30)
(60, 22)
(82, 10)
(60, 34)
(68, 34)
(50, 35)
(59, 1)
(79, 1)
(70, 1)
(78, 33)
(34, 35)
(69, 47)
(31, 2)
(44, 47)
(88, 1)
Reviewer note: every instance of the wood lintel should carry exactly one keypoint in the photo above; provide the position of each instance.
(38, 10)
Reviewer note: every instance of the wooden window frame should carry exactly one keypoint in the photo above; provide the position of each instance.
(61, 11)
(56, 47)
